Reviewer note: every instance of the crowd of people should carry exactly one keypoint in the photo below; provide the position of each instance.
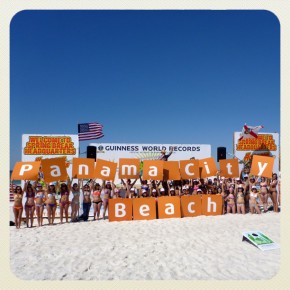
(247, 194)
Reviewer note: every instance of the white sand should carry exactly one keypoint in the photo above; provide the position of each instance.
(200, 248)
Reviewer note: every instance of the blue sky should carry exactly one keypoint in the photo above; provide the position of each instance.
(191, 77)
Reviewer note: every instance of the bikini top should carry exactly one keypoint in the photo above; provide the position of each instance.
(76, 193)
(87, 193)
(195, 187)
(40, 195)
(252, 194)
(96, 193)
(241, 194)
(231, 196)
(64, 193)
(31, 194)
(51, 194)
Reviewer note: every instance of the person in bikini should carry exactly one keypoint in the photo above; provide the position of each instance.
(75, 203)
(240, 199)
(29, 204)
(230, 199)
(50, 193)
(106, 194)
(39, 203)
(254, 195)
(17, 206)
(87, 190)
(273, 192)
(128, 185)
(264, 193)
(221, 191)
(64, 200)
(97, 201)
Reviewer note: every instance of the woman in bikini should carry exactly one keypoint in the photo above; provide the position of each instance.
(86, 189)
(254, 195)
(230, 199)
(107, 194)
(64, 200)
(39, 203)
(273, 191)
(50, 193)
(220, 191)
(75, 203)
(240, 199)
(29, 204)
(264, 193)
(17, 206)
(128, 185)
(97, 201)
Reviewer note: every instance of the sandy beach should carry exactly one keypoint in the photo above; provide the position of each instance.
(200, 248)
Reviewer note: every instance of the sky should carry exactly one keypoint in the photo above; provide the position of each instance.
(157, 77)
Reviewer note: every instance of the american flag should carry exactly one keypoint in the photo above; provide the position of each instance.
(88, 131)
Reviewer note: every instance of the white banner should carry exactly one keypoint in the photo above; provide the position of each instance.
(114, 151)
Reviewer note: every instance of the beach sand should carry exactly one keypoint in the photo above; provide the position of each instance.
(199, 248)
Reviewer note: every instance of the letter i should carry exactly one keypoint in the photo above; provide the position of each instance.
(206, 167)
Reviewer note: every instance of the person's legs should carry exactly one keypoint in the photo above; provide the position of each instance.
(73, 212)
(86, 208)
(37, 214)
(26, 215)
(257, 209)
(243, 209)
(16, 213)
(105, 203)
(49, 213)
(99, 210)
(66, 212)
(19, 217)
(31, 213)
(95, 210)
(41, 209)
(61, 212)
(234, 208)
(53, 213)
(274, 200)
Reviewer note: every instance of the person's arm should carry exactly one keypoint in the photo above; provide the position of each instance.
(68, 184)
(133, 182)
(113, 186)
(25, 186)
(123, 182)
(103, 184)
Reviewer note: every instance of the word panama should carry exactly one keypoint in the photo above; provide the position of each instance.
(168, 207)
(54, 169)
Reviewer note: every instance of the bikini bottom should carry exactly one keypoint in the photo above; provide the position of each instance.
(18, 207)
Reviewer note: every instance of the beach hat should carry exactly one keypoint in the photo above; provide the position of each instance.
(132, 189)
(162, 189)
(144, 190)
(246, 175)
(240, 186)
(154, 190)
(199, 189)
(163, 151)
(51, 183)
(171, 188)
(254, 187)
